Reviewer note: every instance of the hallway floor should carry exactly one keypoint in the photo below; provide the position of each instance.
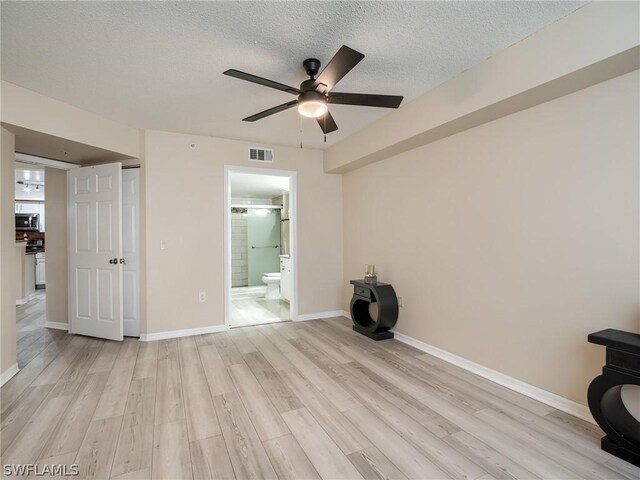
(31, 334)
(249, 307)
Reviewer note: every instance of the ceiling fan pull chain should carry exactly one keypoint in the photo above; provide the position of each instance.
(300, 132)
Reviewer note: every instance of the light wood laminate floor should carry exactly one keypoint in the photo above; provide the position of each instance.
(305, 400)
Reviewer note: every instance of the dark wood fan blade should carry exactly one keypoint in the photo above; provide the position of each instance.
(327, 123)
(262, 81)
(271, 111)
(341, 64)
(365, 100)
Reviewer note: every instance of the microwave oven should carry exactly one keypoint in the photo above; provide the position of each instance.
(27, 221)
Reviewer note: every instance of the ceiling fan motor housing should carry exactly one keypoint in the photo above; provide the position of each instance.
(311, 66)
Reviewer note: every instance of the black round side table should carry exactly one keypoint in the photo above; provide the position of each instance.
(383, 294)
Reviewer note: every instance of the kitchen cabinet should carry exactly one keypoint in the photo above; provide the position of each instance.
(40, 269)
(286, 279)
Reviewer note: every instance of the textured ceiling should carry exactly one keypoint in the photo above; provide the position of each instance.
(159, 64)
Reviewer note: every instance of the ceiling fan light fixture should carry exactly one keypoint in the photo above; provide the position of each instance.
(312, 104)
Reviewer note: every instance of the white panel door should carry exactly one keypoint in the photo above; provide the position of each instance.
(131, 251)
(95, 250)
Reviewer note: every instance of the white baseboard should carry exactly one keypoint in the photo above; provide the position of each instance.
(57, 325)
(8, 374)
(319, 315)
(548, 398)
(347, 314)
(187, 332)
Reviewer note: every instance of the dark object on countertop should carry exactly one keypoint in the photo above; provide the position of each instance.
(383, 294)
(622, 430)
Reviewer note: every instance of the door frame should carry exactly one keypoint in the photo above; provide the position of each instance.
(293, 214)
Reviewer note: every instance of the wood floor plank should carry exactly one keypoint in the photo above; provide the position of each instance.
(135, 444)
(72, 377)
(241, 341)
(228, 351)
(215, 369)
(210, 460)
(171, 457)
(338, 427)
(248, 457)
(372, 464)
(491, 461)
(268, 349)
(332, 368)
(25, 377)
(169, 401)
(416, 389)
(508, 446)
(66, 462)
(188, 351)
(289, 460)
(420, 413)
(276, 389)
(54, 370)
(335, 393)
(200, 414)
(95, 456)
(18, 414)
(546, 445)
(406, 457)
(445, 457)
(68, 435)
(106, 358)
(498, 390)
(28, 445)
(147, 360)
(137, 475)
(114, 398)
(324, 454)
(328, 348)
(264, 416)
(623, 468)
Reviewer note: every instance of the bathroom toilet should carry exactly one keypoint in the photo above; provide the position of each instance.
(272, 280)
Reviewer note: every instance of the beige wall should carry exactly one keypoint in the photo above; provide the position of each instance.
(8, 265)
(27, 109)
(512, 241)
(581, 49)
(55, 204)
(184, 207)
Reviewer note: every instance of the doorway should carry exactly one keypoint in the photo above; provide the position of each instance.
(260, 246)
(74, 291)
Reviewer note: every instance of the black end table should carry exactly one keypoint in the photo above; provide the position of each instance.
(383, 294)
(604, 396)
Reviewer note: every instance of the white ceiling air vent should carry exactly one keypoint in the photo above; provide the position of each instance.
(260, 154)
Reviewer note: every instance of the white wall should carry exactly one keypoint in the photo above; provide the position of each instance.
(512, 241)
(185, 209)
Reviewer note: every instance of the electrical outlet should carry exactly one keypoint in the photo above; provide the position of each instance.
(400, 302)
(202, 297)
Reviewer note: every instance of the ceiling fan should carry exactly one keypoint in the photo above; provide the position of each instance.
(315, 94)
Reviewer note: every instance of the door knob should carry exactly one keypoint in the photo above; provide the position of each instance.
(122, 261)
(113, 261)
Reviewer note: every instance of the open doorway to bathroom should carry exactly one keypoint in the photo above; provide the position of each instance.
(260, 226)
